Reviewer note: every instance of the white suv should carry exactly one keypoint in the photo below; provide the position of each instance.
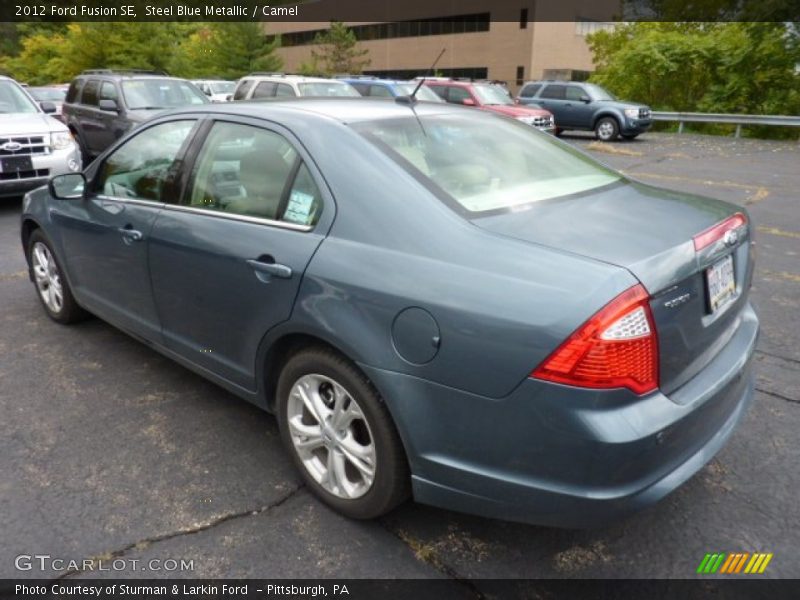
(217, 90)
(279, 85)
(33, 145)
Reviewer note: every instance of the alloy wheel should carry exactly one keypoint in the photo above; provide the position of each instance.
(47, 277)
(331, 436)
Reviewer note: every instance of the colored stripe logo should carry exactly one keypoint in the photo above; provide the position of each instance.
(734, 563)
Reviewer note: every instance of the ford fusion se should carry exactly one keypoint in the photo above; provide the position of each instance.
(435, 302)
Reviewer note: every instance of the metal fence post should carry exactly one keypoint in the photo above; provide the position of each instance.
(680, 127)
(738, 133)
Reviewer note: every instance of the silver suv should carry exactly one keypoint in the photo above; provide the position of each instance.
(280, 85)
(33, 145)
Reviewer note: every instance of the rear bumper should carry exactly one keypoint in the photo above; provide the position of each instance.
(555, 455)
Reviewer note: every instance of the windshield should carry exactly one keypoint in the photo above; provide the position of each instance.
(14, 100)
(222, 87)
(599, 93)
(48, 94)
(423, 93)
(160, 93)
(327, 88)
(492, 94)
(485, 165)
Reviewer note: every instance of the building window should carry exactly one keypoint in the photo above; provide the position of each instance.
(523, 18)
(520, 75)
(463, 72)
(418, 27)
(588, 26)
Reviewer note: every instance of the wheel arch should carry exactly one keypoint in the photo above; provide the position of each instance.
(607, 113)
(278, 348)
(29, 225)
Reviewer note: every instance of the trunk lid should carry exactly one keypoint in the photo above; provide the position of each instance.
(649, 231)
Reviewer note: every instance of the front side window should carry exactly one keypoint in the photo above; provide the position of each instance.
(145, 167)
(492, 95)
(160, 93)
(90, 92)
(108, 91)
(477, 166)
(457, 95)
(14, 100)
(242, 89)
(265, 89)
(249, 171)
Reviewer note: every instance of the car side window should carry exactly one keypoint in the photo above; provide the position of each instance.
(108, 91)
(253, 172)
(457, 95)
(145, 167)
(284, 90)
(380, 91)
(240, 93)
(90, 91)
(529, 91)
(554, 92)
(74, 90)
(574, 92)
(440, 91)
(265, 89)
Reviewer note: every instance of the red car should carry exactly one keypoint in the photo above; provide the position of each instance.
(491, 97)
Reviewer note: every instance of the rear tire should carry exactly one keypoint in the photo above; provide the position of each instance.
(52, 286)
(606, 129)
(340, 435)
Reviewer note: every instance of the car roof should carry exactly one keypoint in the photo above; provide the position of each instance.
(451, 82)
(297, 78)
(344, 110)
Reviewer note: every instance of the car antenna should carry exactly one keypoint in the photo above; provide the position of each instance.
(411, 99)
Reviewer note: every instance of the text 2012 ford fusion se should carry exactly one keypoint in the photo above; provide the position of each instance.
(433, 301)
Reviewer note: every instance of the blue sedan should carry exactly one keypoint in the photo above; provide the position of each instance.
(435, 302)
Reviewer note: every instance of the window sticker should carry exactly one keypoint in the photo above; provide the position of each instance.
(300, 208)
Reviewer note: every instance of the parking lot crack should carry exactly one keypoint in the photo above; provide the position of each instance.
(198, 528)
(777, 395)
(779, 357)
(428, 554)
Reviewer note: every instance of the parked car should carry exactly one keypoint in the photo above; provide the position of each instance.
(261, 86)
(53, 94)
(33, 145)
(588, 107)
(497, 324)
(490, 97)
(217, 90)
(389, 88)
(103, 104)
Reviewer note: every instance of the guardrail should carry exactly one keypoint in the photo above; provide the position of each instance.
(738, 120)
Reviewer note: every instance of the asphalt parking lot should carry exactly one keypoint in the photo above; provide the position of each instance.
(110, 450)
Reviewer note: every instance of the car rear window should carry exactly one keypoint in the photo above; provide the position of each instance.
(478, 166)
(530, 90)
(327, 88)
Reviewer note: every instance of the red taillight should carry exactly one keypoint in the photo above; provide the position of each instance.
(716, 232)
(615, 348)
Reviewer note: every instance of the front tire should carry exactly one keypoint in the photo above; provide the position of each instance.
(606, 129)
(340, 435)
(52, 287)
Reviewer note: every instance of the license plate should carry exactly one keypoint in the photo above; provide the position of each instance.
(15, 164)
(720, 283)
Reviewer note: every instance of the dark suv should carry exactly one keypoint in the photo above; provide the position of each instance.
(102, 104)
(587, 106)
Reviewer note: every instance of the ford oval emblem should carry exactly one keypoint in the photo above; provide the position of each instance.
(730, 238)
(11, 146)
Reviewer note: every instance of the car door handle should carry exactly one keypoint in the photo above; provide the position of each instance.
(267, 264)
(130, 234)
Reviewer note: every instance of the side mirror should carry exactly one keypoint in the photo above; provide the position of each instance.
(585, 99)
(48, 107)
(67, 187)
(108, 105)
(468, 102)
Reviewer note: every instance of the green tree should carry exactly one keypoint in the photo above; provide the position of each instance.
(708, 67)
(337, 52)
(226, 50)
